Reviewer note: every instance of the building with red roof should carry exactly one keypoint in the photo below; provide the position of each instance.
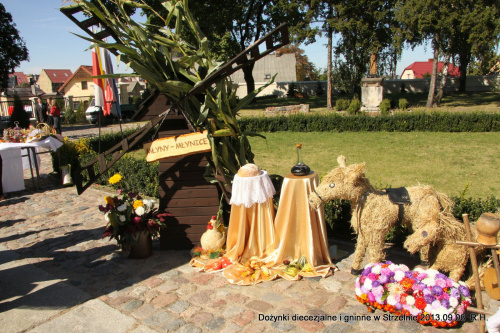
(50, 80)
(419, 69)
(17, 79)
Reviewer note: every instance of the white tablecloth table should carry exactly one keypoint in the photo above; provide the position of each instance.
(13, 162)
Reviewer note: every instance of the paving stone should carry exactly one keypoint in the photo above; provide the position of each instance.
(191, 311)
(237, 298)
(144, 311)
(153, 282)
(215, 323)
(201, 318)
(157, 319)
(143, 329)
(179, 306)
(173, 325)
(163, 300)
(189, 328)
(256, 328)
(132, 305)
(259, 306)
(202, 278)
(316, 299)
(231, 328)
(167, 287)
(244, 318)
(272, 297)
(311, 326)
(334, 306)
(233, 311)
(202, 297)
(331, 284)
(282, 326)
(337, 328)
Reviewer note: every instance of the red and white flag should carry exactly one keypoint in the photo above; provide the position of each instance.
(98, 83)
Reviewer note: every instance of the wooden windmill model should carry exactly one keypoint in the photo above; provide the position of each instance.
(192, 94)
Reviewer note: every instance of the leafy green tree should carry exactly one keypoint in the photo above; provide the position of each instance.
(19, 115)
(366, 28)
(12, 47)
(305, 70)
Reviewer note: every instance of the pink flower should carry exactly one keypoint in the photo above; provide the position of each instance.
(371, 298)
(460, 309)
(372, 276)
(441, 283)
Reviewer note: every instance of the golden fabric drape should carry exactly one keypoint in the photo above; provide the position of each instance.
(300, 229)
(250, 232)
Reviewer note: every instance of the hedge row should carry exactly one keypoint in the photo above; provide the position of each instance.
(399, 122)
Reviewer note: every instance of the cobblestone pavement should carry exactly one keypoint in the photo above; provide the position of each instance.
(57, 274)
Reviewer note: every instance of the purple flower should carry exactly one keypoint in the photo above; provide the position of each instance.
(102, 208)
(137, 220)
(132, 194)
(398, 306)
(445, 303)
(455, 293)
(364, 290)
(408, 274)
(464, 291)
(375, 284)
(366, 271)
(383, 279)
(426, 291)
(371, 298)
(388, 262)
(437, 290)
(429, 299)
(441, 276)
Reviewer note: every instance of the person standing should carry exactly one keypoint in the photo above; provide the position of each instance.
(41, 109)
(55, 113)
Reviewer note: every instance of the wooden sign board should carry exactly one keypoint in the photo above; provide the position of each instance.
(175, 146)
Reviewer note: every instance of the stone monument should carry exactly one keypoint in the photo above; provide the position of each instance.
(372, 91)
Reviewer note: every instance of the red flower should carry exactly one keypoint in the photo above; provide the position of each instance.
(420, 303)
(418, 293)
(403, 298)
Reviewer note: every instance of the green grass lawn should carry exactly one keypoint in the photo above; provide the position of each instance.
(447, 161)
(452, 102)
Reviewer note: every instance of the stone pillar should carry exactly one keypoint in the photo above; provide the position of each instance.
(372, 94)
(68, 102)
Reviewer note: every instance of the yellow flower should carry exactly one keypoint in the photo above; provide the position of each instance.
(138, 203)
(115, 178)
(109, 201)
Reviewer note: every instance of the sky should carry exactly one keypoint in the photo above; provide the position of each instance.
(51, 44)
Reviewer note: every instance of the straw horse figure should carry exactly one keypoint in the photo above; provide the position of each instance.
(373, 214)
(444, 255)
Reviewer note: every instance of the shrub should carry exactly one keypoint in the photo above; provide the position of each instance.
(69, 115)
(385, 106)
(80, 113)
(341, 104)
(354, 107)
(403, 104)
(399, 122)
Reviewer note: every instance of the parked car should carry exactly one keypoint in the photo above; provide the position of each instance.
(92, 112)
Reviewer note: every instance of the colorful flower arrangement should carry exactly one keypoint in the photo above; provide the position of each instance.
(129, 215)
(427, 295)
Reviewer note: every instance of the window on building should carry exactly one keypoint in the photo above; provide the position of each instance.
(75, 105)
(84, 85)
(267, 76)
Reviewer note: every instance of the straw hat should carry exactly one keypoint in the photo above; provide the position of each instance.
(488, 225)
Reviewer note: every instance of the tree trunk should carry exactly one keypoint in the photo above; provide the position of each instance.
(464, 63)
(248, 76)
(329, 99)
(442, 84)
(329, 89)
(432, 86)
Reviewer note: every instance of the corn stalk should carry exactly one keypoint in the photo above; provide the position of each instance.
(149, 52)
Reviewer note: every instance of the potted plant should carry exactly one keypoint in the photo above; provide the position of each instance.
(132, 221)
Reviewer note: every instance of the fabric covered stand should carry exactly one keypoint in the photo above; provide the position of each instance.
(251, 223)
(300, 229)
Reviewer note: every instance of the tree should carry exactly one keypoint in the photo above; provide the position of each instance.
(366, 28)
(476, 32)
(12, 47)
(304, 68)
(235, 25)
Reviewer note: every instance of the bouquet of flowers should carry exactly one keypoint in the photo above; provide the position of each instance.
(427, 295)
(128, 215)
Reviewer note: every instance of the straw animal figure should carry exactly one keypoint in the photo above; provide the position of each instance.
(444, 255)
(373, 214)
